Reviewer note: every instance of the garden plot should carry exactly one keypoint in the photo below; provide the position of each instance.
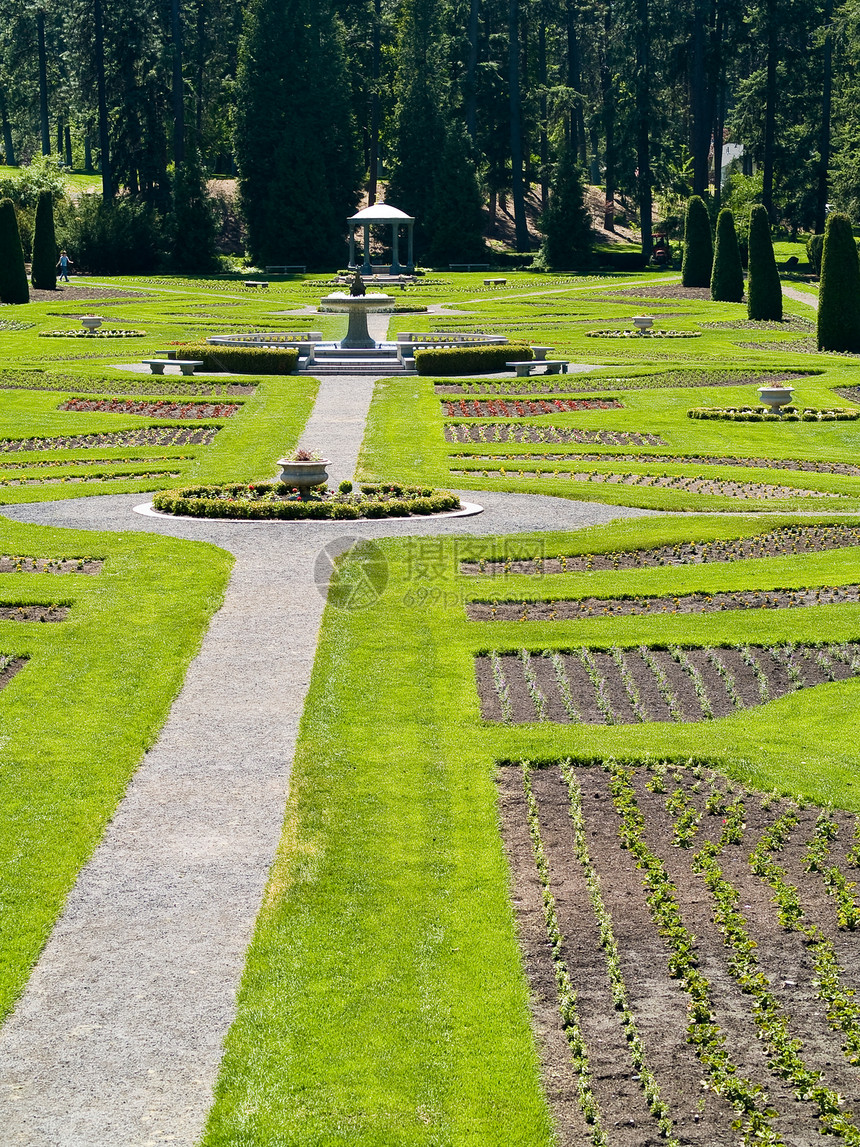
(787, 540)
(160, 408)
(852, 393)
(668, 379)
(9, 666)
(146, 436)
(524, 408)
(692, 955)
(812, 467)
(85, 463)
(626, 686)
(517, 432)
(715, 602)
(89, 566)
(34, 612)
(91, 476)
(691, 485)
(40, 381)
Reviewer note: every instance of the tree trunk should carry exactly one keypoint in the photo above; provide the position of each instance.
(824, 142)
(769, 113)
(543, 144)
(472, 74)
(578, 142)
(373, 161)
(608, 100)
(700, 120)
(67, 136)
(520, 225)
(108, 190)
(60, 135)
(88, 151)
(178, 84)
(8, 145)
(643, 123)
(43, 82)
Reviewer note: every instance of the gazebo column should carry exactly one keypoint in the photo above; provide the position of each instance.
(366, 269)
(396, 269)
(410, 264)
(352, 248)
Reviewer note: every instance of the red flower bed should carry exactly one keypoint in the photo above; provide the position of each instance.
(157, 408)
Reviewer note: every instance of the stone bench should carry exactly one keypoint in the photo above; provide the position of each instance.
(186, 365)
(288, 269)
(469, 266)
(553, 366)
(495, 282)
(256, 283)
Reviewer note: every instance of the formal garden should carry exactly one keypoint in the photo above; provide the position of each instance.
(570, 850)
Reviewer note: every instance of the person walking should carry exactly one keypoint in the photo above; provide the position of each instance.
(63, 266)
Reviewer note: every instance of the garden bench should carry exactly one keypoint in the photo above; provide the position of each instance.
(288, 269)
(495, 282)
(469, 266)
(257, 283)
(524, 369)
(186, 365)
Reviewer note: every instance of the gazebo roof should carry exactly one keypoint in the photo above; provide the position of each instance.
(381, 213)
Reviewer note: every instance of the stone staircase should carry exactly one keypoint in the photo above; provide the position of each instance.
(333, 359)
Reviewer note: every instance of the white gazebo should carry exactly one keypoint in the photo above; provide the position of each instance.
(382, 213)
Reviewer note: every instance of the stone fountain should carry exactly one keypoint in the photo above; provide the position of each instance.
(358, 305)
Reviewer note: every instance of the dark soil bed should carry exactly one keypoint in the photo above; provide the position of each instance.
(32, 612)
(525, 408)
(161, 408)
(666, 291)
(512, 432)
(67, 292)
(609, 437)
(664, 379)
(567, 610)
(655, 996)
(592, 686)
(146, 436)
(89, 566)
(774, 543)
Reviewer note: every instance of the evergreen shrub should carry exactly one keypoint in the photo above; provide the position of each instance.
(470, 360)
(698, 245)
(241, 360)
(124, 237)
(814, 247)
(839, 294)
(566, 223)
(764, 290)
(43, 272)
(14, 287)
(727, 278)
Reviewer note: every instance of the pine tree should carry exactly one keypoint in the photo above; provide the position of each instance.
(44, 268)
(698, 245)
(456, 222)
(839, 294)
(295, 138)
(764, 290)
(192, 220)
(13, 274)
(566, 223)
(727, 278)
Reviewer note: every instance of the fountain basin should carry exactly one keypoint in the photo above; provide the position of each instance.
(358, 307)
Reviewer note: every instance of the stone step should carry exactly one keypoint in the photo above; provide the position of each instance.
(347, 366)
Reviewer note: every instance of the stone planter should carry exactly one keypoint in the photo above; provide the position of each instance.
(303, 475)
(92, 322)
(643, 323)
(775, 396)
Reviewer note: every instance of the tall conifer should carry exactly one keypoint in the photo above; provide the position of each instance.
(698, 245)
(764, 290)
(14, 287)
(566, 223)
(727, 278)
(839, 294)
(44, 269)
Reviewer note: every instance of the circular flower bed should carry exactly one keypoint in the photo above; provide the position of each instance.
(624, 334)
(764, 414)
(102, 333)
(261, 500)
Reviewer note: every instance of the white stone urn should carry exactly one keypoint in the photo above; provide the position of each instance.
(643, 323)
(775, 396)
(92, 322)
(303, 475)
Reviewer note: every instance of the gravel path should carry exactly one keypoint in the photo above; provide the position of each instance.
(800, 296)
(117, 1039)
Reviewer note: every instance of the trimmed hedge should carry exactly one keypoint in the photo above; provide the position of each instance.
(377, 501)
(764, 414)
(839, 295)
(14, 287)
(698, 245)
(814, 249)
(764, 290)
(621, 260)
(241, 360)
(472, 359)
(727, 278)
(43, 272)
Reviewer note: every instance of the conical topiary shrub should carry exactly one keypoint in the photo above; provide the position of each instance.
(43, 273)
(14, 287)
(727, 278)
(698, 245)
(839, 293)
(764, 290)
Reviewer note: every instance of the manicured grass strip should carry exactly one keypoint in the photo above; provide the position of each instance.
(88, 703)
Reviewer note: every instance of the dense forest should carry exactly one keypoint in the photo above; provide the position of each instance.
(455, 104)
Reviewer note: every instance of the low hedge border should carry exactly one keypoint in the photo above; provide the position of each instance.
(764, 414)
(378, 501)
(623, 334)
(241, 360)
(103, 333)
(471, 360)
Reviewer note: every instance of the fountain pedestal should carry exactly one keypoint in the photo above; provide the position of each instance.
(357, 307)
